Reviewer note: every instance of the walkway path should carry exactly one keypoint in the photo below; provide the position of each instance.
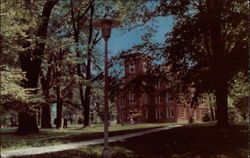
(61, 147)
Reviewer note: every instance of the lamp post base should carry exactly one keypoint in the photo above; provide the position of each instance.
(106, 153)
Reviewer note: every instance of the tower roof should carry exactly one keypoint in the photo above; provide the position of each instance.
(136, 56)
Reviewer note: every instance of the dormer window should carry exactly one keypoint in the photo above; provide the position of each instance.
(131, 68)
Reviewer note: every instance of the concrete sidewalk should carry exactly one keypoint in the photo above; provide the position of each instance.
(61, 147)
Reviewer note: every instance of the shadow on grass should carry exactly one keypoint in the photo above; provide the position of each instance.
(182, 142)
(191, 142)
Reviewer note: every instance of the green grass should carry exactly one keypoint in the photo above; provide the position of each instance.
(197, 141)
(10, 140)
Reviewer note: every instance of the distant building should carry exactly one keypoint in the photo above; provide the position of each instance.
(153, 106)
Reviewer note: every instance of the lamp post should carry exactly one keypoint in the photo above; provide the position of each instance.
(106, 25)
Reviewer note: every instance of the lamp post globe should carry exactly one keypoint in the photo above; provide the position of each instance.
(106, 26)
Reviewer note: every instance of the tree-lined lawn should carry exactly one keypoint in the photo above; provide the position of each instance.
(202, 141)
(10, 140)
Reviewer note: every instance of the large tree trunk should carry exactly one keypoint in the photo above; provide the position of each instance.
(59, 97)
(27, 120)
(222, 105)
(46, 116)
(59, 106)
(46, 109)
(220, 69)
(59, 114)
(86, 105)
(31, 65)
(27, 123)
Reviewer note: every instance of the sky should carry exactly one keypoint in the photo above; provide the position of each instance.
(122, 41)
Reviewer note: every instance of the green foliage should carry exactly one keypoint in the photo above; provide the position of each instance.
(13, 95)
(14, 98)
(17, 27)
(239, 94)
(193, 34)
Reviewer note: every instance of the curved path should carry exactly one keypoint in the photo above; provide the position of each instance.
(61, 147)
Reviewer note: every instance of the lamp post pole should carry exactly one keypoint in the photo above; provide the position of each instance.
(106, 25)
(106, 152)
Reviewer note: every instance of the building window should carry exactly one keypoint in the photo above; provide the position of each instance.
(131, 98)
(170, 112)
(167, 97)
(146, 113)
(157, 99)
(145, 98)
(158, 113)
(158, 84)
(167, 114)
(182, 112)
(121, 102)
(144, 67)
(131, 68)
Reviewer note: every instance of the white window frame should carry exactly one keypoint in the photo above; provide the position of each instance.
(131, 68)
(167, 114)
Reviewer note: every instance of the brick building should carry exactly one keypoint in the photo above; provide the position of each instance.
(155, 105)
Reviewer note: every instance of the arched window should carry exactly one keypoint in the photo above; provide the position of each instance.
(144, 67)
(131, 68)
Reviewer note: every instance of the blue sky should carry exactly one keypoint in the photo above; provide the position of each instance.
(122, 41)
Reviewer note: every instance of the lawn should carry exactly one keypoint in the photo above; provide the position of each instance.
(10, 140)
(200, 141)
